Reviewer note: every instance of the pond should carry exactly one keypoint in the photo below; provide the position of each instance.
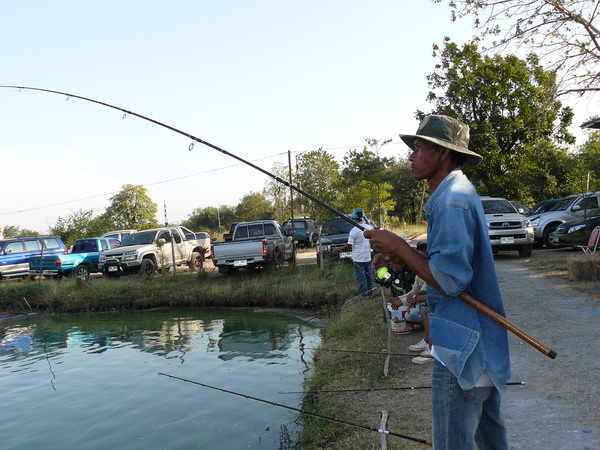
(93, 381)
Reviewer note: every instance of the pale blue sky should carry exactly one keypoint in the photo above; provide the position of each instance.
(255, 78)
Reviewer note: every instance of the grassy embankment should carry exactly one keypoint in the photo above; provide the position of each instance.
(306, 287)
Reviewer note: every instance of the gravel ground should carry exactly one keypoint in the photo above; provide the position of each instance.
(558, 407)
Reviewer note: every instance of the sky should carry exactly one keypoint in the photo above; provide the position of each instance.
(257, 79)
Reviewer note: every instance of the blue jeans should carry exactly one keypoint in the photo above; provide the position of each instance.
(362, 271)
(465, 419)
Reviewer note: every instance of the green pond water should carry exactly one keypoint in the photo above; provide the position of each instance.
(92, 381)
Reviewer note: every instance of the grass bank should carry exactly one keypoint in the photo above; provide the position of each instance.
(350, 385)
(306, 287)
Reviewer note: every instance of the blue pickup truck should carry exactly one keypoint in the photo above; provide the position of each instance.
(81, 261)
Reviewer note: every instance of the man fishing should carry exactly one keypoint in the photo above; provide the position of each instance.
(472, 361)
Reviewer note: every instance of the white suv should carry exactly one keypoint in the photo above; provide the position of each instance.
(508, 229)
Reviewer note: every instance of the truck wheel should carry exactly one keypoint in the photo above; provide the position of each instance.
(196, 264)
(526, 252)
(82, 271)
(147, 269)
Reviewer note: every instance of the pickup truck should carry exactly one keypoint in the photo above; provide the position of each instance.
(146, 251)
(262, 243)
(81, 261)
(569, 208)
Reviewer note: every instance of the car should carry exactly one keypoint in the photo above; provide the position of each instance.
(544, 206)
(520, 207)
(508, 230)
(576, 232)
(306, 231)
(334, 234)
(15, 253)
(570, 208)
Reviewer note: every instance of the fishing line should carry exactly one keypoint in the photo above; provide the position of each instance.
(303, 411)
(400, 388)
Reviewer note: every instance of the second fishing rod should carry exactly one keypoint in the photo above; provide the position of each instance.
(484, 309)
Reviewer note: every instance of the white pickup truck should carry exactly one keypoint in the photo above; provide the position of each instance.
(262, 243)
(159, 248)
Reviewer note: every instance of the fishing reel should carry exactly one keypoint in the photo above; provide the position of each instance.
(389, 278)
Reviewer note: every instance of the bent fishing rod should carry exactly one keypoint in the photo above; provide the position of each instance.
(302, 411)
(503, 321)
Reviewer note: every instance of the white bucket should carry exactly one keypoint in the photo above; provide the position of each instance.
(399, 325)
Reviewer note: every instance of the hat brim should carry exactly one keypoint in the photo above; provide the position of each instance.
(472, 158)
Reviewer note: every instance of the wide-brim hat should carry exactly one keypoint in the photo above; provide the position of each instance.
(447, 132)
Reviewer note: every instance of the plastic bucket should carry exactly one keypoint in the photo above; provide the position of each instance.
(398, 321)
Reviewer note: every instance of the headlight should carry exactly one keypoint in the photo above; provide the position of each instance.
(576, 228)
(535, 222)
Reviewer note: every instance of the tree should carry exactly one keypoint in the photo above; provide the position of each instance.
(132, 209)
(562, 32)
(318, 174)
(511, 108)
(366, 178)
(254, 206)
(215, 220)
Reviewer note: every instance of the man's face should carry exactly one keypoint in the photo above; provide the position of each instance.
(424, 159)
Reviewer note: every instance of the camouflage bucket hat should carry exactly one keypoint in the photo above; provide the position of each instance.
(447, 132)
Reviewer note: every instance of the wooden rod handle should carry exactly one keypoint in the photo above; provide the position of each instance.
(508, 325)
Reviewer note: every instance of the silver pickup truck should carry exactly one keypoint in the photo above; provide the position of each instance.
(262, 243)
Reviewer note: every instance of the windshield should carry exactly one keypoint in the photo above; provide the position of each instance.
(497, 207)
(563, 204)
(143, 237)
(336, 227)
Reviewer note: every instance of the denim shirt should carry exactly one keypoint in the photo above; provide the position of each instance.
(460, 258)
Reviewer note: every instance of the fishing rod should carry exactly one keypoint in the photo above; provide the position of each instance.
(503, 321)
(401, 388)
(302, 411)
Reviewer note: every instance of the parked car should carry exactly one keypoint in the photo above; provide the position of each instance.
(81, 261)
(569, 208)
(520, 207)
(508, 230)
(576, 232)
(15, 253)
(306, 231)
(544, 206)
(119, 235)
(261, 243)
(334, 234)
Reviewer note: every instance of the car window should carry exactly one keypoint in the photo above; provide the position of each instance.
(50, 243)
(31, 246)
(499, 206)
(14, 247)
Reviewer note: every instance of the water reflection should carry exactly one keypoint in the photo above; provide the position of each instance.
(79, 368)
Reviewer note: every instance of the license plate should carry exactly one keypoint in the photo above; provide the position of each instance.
(112, 268)
(346, 255)
(240, 263)
(507, 240)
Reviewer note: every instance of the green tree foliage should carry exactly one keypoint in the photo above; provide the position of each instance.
(17, 231)
(74, 226)
(277, 193)
(511, 108)
(562, 32)
(132, 208)
(318, 174)
(209, 219)
(366, 182)
(254, 206)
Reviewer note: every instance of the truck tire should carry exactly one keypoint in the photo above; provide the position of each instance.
(82, 271)
(196, 263)
(526, 252)
(147, 269)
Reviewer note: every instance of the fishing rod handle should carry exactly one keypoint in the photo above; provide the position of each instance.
(537, 344)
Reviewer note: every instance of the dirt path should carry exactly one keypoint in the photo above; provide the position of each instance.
(558, 408)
